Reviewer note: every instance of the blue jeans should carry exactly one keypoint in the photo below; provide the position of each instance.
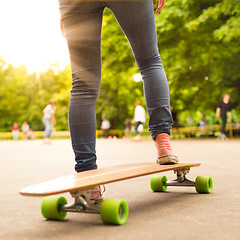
(82, 23)
(48, 127)
(136, 127)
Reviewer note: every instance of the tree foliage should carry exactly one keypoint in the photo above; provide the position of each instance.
(200, 48)
(199, 43)
(23, 96)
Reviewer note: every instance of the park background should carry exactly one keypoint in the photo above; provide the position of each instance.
(199, 45)
(200, 48)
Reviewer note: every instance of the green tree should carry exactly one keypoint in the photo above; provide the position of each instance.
(23, 96)
(199, 43)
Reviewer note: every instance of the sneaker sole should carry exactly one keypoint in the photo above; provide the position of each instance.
(167, 160)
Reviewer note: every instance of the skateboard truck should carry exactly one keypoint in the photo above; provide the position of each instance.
(181, 179)
(82, 203)
(202, 184)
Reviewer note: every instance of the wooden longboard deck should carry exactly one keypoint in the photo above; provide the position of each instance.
(90, 179)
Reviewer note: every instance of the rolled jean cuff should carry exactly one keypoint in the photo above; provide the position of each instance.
(85, 167)
(158, 129)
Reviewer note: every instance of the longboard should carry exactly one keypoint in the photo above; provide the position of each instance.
(81, 184)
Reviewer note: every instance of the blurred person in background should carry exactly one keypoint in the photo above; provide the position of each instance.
(49, 120)
(224, 112)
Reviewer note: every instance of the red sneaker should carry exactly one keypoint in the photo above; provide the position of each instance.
(165, 152)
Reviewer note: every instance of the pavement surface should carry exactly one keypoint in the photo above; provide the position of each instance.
(179, 213)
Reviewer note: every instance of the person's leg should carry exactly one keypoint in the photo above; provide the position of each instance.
(136, 127)
(136, 18)
(15, 135)
(47, 129)
(137, 21)
(224, 121)
(82, 23)
(105, 133)
(50, 130)
(138, 136)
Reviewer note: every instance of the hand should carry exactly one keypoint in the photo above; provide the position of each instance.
(229, 116)
(53, 120)
(218, 112)
(161, 4)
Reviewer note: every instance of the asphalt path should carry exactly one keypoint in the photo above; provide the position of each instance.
(179, 213)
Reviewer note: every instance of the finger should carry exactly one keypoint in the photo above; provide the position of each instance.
(158, 10)
(160, 6)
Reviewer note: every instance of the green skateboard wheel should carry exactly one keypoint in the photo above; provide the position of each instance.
(114, 211)
(204, 184)
(158, 183)
(50, 207)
